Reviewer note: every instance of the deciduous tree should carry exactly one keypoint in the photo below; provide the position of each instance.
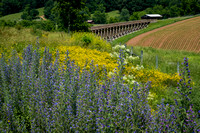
(71, 16)
(99, 16)
(124, 15)
(29, 13)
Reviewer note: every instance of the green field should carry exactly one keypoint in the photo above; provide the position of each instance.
(113, 14)
(17, 16)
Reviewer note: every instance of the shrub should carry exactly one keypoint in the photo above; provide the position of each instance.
(113, 20)
(86, 41)
(89, 40)
(29, 13)
(9, 23)
(36, 32)
(25, 23)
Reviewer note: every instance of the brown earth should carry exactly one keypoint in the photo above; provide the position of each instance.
(42, 17)
(182, 35)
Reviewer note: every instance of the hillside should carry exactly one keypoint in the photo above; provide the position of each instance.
(183, 35)
(17, 16)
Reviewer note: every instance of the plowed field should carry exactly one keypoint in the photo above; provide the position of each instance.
(183, 35)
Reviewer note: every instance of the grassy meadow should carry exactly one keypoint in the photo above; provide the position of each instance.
(18, 39)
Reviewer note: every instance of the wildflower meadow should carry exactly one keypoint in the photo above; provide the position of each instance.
(42, 94)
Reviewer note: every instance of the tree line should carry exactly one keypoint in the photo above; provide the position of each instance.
(71, 15)
(15, 6)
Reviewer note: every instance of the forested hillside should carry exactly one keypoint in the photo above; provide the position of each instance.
(184, 7)
(178, 7)
(73, 14)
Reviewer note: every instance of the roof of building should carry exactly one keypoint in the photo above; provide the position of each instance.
(90, 21)
(153, 15)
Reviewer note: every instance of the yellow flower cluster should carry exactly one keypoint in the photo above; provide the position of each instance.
(83, 55)
(159, 80)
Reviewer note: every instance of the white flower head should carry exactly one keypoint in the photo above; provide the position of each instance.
(133, 82)
(125, 78)
(127, 50)
(122, 47)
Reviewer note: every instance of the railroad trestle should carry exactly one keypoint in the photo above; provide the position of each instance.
(113, 31)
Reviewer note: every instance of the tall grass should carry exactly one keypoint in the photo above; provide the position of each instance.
(20, 38)
(168, 59)
(41, 96)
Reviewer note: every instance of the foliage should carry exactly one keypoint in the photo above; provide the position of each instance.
(111, 5)
(17, 16)
(168, 63)
(175, 8)
(189, 7)
(89, 40)
(167, 8)
(4, 23)
(99, 15)
(137, 15)
(19, 5)
(113, 20)
(41, 25)
(124, 15)
(184, 105)
(13, 38)
(29, 13)
(160, 82)
(41, 96)
(70, 12)
(49, 5)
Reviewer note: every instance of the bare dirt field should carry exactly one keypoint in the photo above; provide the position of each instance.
(183, 35)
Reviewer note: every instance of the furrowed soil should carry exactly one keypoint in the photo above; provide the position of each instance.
(183, 35)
